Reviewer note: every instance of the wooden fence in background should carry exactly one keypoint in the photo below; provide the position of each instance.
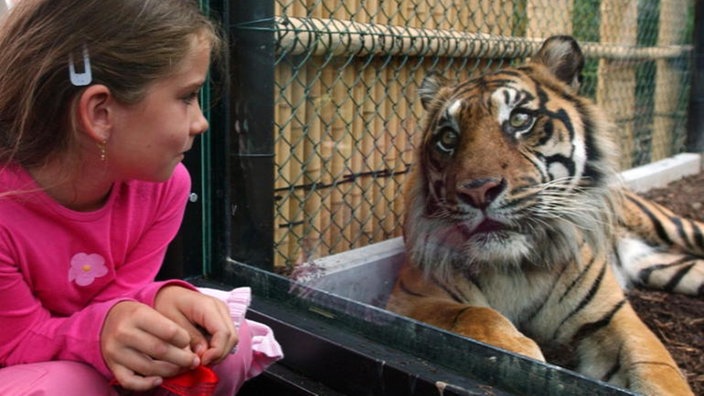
(347, 110)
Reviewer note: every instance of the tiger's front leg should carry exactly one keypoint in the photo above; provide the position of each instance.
(419, 298)
(627, 354)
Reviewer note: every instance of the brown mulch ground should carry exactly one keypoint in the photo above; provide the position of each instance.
(678, 320)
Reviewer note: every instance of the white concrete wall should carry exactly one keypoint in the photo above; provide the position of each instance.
(660, 173)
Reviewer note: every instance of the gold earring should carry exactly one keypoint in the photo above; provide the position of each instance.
(103, 150)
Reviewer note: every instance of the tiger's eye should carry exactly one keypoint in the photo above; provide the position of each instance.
(448, 139)
(520, 120)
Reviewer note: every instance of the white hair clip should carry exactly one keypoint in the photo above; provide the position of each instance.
(80, 79)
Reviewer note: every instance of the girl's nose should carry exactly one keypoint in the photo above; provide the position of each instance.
(200, 124)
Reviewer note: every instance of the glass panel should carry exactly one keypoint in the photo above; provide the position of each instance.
(315, 142)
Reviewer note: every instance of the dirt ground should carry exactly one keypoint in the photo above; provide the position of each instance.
(678, 320)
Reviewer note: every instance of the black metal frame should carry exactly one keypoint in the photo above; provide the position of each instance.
(344, 347)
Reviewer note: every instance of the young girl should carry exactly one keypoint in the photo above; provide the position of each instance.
(98, 105)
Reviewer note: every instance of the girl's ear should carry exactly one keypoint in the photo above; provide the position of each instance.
(94, 114)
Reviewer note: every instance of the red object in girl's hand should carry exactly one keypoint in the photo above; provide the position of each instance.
(200, 381)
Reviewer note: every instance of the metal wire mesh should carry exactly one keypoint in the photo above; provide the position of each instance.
(347, 110)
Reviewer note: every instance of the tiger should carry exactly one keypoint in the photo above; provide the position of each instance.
(519, 233)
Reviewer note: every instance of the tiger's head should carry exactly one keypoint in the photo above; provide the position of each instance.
(514, 168)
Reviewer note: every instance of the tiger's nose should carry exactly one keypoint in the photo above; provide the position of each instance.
(480, 193)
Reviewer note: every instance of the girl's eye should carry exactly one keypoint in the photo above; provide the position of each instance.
(192, 97)
(447, 141)
(521, 120)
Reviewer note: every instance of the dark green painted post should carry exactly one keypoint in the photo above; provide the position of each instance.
(252, 57)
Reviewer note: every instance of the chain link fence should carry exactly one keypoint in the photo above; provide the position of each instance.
(346, 107)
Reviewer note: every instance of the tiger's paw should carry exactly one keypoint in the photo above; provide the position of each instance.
(659, 380)
(490, 327)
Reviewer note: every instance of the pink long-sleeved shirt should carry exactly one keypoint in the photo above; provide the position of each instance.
(61, 271)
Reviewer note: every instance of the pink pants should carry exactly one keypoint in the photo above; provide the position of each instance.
(256, 350)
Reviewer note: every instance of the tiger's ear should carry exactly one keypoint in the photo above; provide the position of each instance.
(563, 57)
(429, 89)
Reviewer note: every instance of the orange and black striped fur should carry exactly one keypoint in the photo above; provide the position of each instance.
(519, 235)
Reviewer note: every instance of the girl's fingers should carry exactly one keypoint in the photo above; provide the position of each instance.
(199, 337)
(125, 374)
(164, 329)
(131, 381)
(205, 318)
(162, 358)
(221, 330)
(143, 342)
(150, 356)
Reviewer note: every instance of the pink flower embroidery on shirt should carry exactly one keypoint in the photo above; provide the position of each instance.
(86, 267)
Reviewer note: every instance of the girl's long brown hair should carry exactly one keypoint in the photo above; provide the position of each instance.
(131, 43)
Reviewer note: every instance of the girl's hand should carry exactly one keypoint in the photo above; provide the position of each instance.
(207, 320)
(141, 346)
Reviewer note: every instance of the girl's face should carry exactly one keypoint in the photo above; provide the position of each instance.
(149, 138)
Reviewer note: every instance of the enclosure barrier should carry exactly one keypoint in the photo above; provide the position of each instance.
(324, 118)
(345, 109)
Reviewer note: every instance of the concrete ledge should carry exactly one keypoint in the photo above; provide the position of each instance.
(365, 274)
(660, 173)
